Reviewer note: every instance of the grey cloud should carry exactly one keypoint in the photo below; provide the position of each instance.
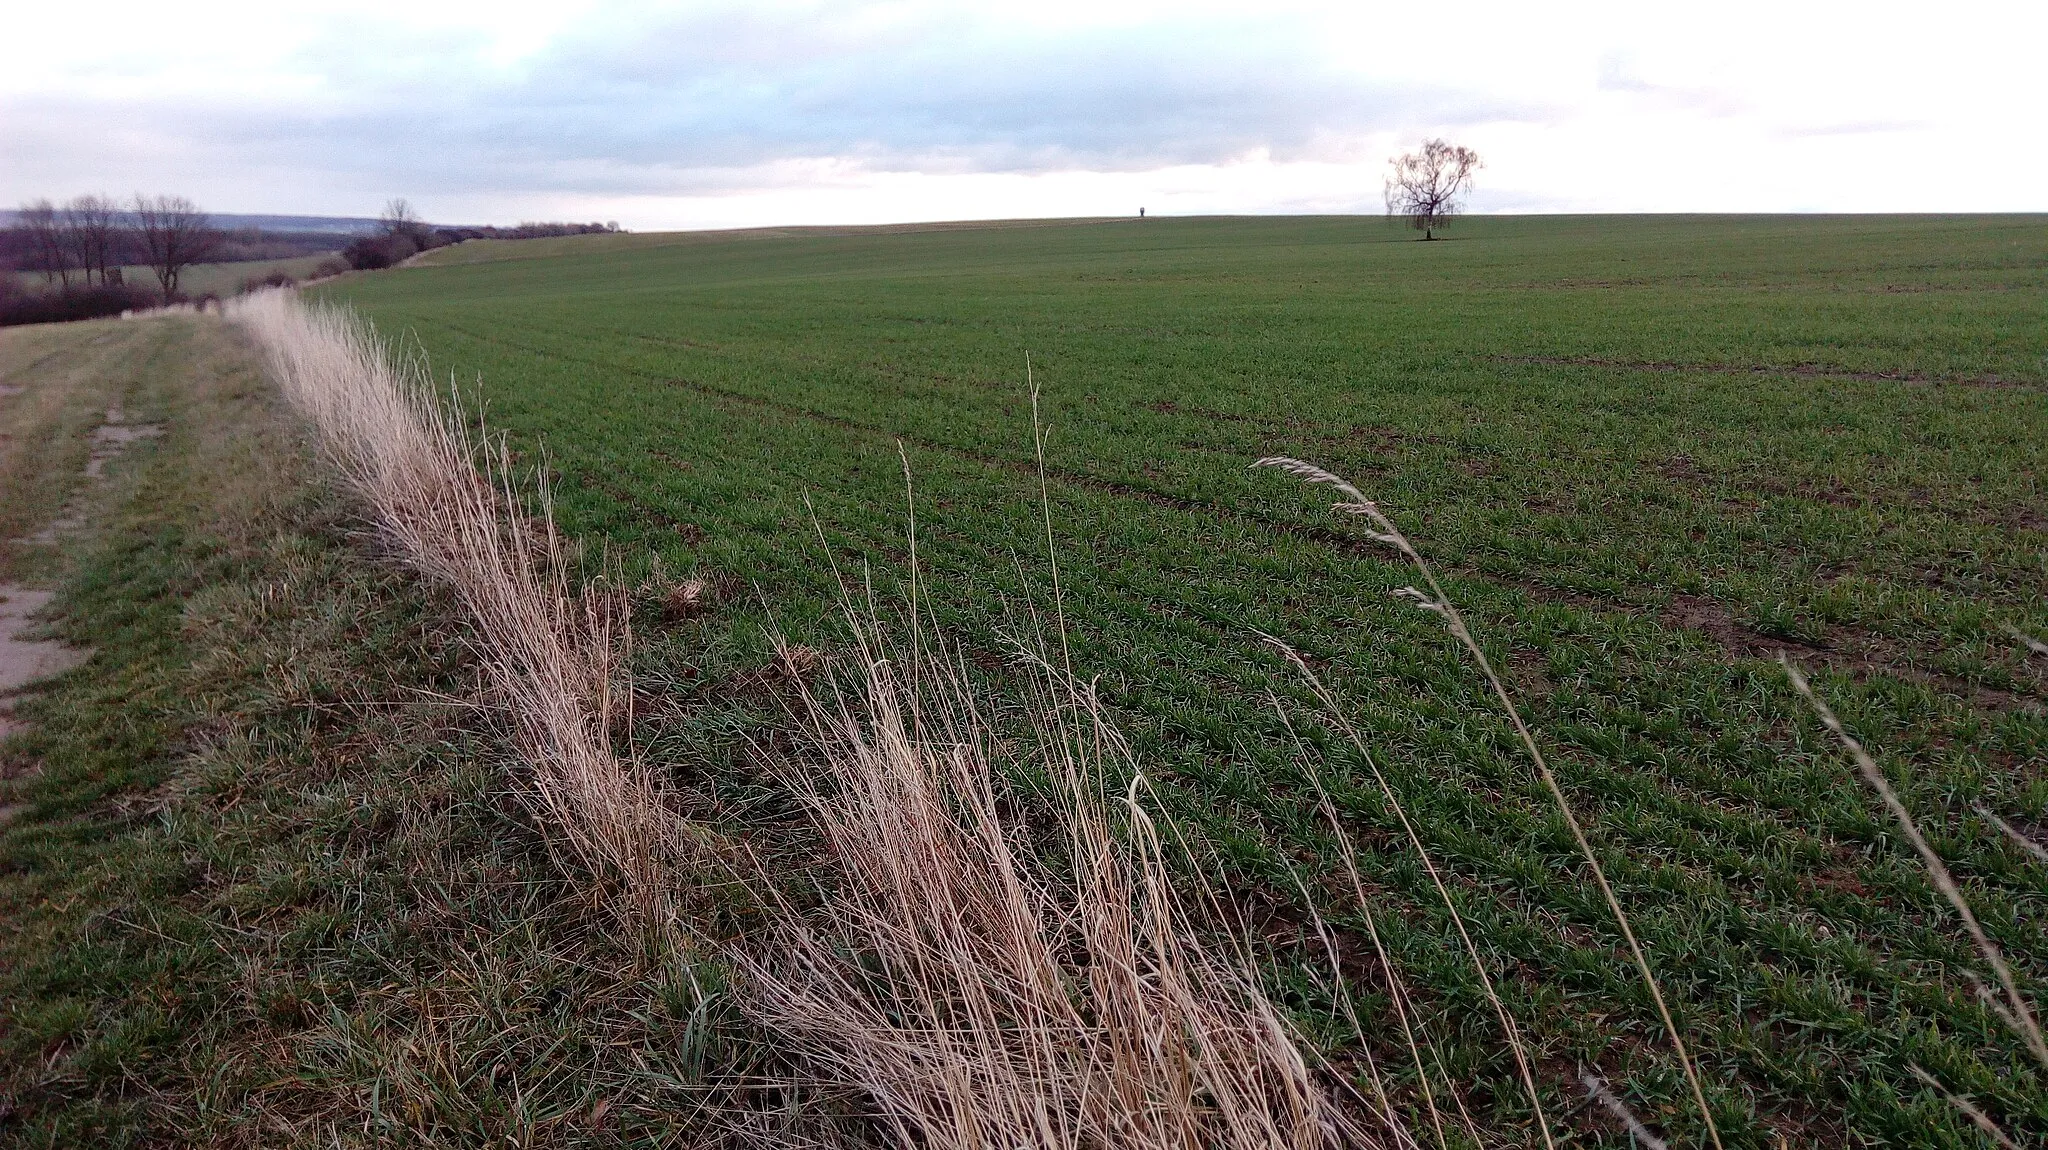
(674, 107)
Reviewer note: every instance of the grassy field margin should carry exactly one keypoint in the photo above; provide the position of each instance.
(1646, 453)
(961, 996)
(269, 887)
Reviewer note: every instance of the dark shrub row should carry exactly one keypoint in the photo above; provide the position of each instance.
(20, 306)
(372, 252)
(403, 239)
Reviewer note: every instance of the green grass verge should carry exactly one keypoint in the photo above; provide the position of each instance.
(1651, 451)
(269, 885)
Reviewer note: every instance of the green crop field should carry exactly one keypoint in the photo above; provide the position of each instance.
(1648, 454)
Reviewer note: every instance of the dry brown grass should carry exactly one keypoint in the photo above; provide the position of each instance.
(985, 982)
(986, 991)
(551, 651)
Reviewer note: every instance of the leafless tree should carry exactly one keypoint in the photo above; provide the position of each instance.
(46, 241)
(176, 234)
(89, 226)
(401, 220)
(1428, 187)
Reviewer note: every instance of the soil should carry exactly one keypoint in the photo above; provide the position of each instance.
(1805, 369)
(24, 660)
(109, 439)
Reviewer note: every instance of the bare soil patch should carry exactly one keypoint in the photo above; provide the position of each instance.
(23, 660)
(1805, 369)
(109, 440)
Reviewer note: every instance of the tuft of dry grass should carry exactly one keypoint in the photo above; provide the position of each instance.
(686, 600)
(983, 990)
(447, 503)
(982, 981)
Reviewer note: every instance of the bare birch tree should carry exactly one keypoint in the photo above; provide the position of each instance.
(1428, 187)
(176, 234)
(402, 219)
(399, 216)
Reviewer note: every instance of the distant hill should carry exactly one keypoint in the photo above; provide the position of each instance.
(338, 225)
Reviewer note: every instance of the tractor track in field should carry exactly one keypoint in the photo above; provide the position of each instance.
(1808, 370)
(1861, 656)
(1857, 654)
(24, 659)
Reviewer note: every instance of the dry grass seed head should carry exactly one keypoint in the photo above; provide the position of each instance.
(982, 997)
(553, 653)
(1438, 602)
(686, 600)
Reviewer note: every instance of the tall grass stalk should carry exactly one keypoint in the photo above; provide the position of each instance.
(2016, 1011)
(1436, 601)
(447, 502)
(1397, 988)
(989, 984)
(2020, 840)
(1968, 1109)
(2028, 641)
(1525, 1071)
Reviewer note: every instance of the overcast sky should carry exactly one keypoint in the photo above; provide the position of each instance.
(678, 115)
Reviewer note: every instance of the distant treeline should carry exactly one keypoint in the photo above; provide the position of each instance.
(80, 251)
(403, 235)
(18, 247)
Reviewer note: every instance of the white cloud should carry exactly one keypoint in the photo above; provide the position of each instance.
(707, 114)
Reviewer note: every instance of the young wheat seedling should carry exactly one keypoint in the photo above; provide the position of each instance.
(1493, 998)
(1969, 1110)
(2020, 1014)
(1436, 601)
